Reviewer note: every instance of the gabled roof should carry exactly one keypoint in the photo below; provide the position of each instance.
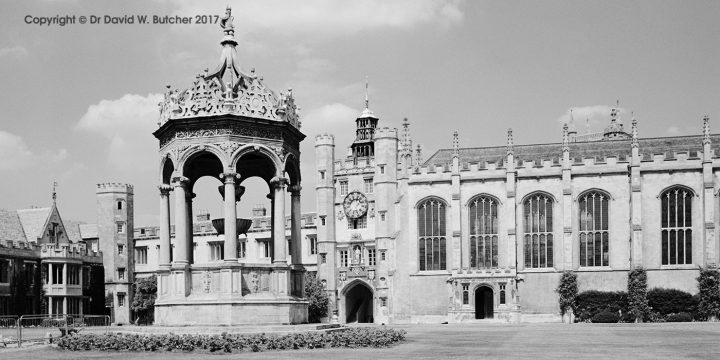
(10, 227)
(88, 231)
(33, 221)
(72, 229)
(621, 149)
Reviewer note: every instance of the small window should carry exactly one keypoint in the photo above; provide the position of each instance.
(382, 216)
(382, 256)
(322, 175)
(120, 228)
(382, 169)
(359, 223)
(121, 249)
(142, 231)
(502, 294)
(344, 258)
(121, 299)
(466, 294)
(313, 245)
(323, 258)
(322, 220)
(121, 273)
(241, 249)
(141, 255)
(119, 205)
(371, 257)
(217, 250)
(4, 271)
(368, 185)
(343, 187)
(383, 301)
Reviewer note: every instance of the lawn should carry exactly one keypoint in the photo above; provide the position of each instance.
(485, 341)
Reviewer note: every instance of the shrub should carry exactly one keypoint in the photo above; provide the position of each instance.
(679, 317)
(709, 294)
(144, 300)
(637, 295)
(568, 291)
(317, 298)
(352, 337)
(590, 303)
(606, 317)
(671, 301)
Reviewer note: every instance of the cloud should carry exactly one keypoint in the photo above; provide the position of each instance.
(127, 123)
(16, 51)
(595, 117)
(14, 152)
(325, 18)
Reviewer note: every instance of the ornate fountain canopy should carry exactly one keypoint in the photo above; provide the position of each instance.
(228, 90)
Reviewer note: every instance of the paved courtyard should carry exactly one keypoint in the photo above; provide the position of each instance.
(485, 341)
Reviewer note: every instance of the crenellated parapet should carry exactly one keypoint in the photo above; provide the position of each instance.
(324, 139)
(113, 187)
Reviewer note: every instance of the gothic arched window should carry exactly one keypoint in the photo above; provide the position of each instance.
(431, 234)
(594, 234)
(676, 225)
(483, 221)
(538, 241)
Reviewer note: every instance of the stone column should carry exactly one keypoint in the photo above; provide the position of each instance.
(230, 217)
(295, 233)
(271, 196)
(64, 276)
(165, 246)
(189, 196)
(65, 305)
(50, 274)
(181, 234)
(278, 229)
(50, 303)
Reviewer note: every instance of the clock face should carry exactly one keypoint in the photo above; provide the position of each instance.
(355, 205)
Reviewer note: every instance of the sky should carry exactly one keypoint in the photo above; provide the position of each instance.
(79, 102)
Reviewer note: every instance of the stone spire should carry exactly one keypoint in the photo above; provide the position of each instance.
(634, 132)
(566, 139)
(54, 192)
(406, 141)
(229, 72)
(456, 145)
(706, 130)
(367, 112)
(418, 155)
(509, 142)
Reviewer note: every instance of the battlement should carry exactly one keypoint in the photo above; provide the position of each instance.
(76, 251)
(386, 132)
(112, 187)
(20, 245)
(324, 139)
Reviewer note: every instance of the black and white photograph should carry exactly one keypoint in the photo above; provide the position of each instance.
(388, 179)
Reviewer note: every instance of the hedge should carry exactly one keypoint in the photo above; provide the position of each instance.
(593, 302)
(671, 301)
(350, 338)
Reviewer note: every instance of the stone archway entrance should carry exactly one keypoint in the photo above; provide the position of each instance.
(484, 302)
(359, 304)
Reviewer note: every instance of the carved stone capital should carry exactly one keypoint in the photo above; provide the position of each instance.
(190, 195)
(229, 177)
(180, 181)
(279, 182)
(295, 190)
(165, 189)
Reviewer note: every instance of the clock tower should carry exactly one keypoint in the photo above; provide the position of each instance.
(356, 196)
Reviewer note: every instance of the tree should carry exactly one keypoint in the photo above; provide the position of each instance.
(317, 298)
(143, 303)
(568, 291)
(709, 292)
(637, 294)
